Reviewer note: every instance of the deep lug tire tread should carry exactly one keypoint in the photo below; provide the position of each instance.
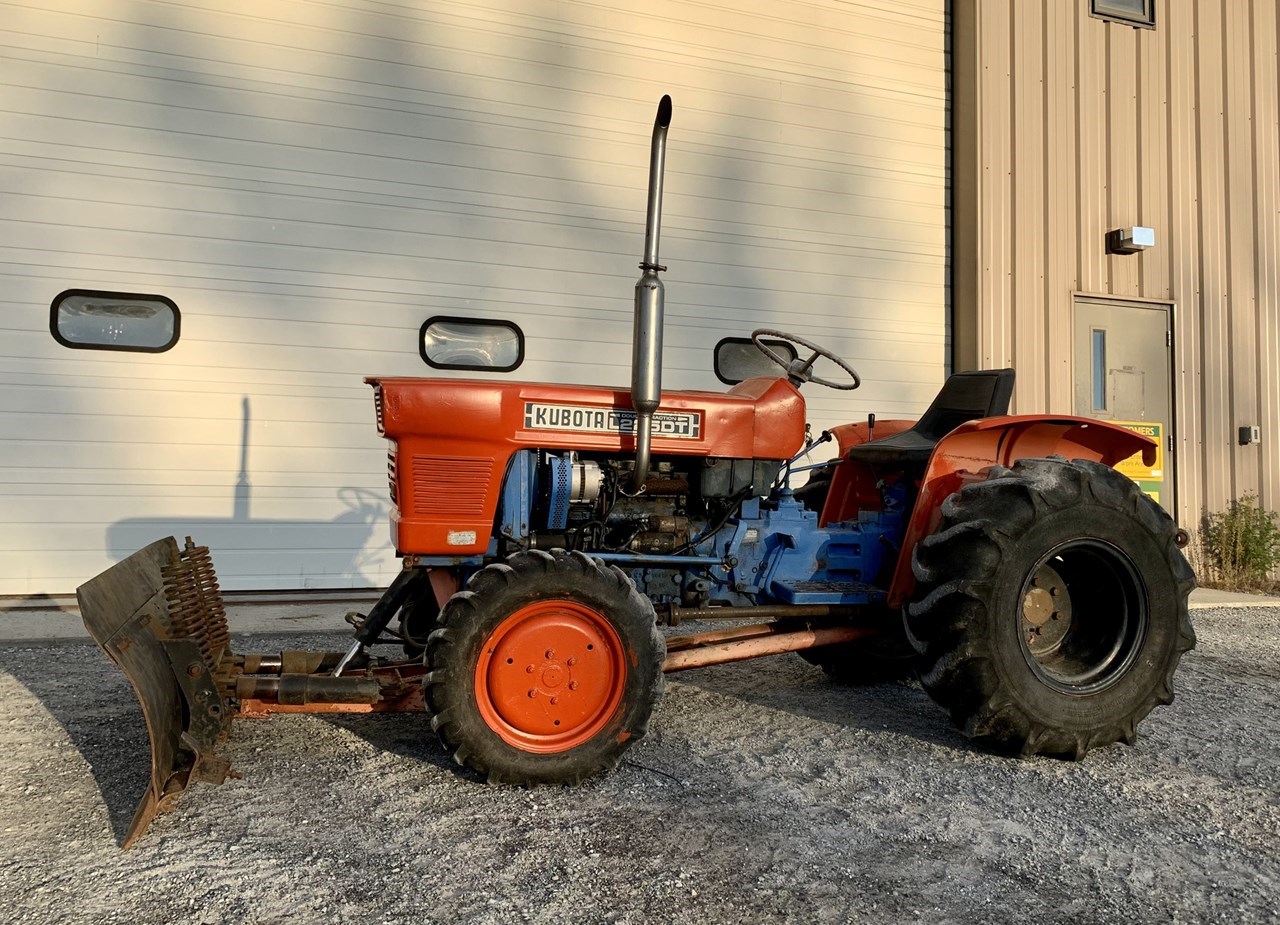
(965, 572)
(469, 618)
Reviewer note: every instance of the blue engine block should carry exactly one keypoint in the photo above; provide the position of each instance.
(778, 553)
(772, 551)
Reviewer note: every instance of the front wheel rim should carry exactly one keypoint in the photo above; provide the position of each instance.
(551, 676)
(1084, 615)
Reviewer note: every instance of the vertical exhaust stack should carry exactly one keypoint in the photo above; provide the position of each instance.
(646, 360)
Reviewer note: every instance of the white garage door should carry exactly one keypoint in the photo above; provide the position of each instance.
(310, 181)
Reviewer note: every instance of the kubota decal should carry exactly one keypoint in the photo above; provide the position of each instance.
(683, 425)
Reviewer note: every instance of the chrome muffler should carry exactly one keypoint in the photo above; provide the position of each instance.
(646, 360)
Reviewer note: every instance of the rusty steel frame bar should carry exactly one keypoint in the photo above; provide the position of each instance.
(696, 650)
(694, 640)
(763, 639)
(673, 614)
(384, 688)
(412, 701)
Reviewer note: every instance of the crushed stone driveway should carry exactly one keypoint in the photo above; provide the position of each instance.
(764, 793)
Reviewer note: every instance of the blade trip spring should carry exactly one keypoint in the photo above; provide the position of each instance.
(195, 603)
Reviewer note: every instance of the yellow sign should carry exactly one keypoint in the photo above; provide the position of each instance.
(1149, 478)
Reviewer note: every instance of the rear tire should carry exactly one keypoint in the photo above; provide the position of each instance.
(545, 669)
(1051, 607)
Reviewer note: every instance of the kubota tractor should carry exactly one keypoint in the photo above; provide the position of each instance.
(547, 530)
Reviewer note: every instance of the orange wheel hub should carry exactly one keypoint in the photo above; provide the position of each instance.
(550, 676)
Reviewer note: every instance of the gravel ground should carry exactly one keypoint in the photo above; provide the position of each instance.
(764, 793)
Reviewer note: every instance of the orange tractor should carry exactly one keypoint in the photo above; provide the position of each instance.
(547, 531)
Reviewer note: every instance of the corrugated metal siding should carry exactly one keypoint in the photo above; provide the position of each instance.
(1028, 185)
(1062, 181)
(310, 181)
(1175, 128)
(1185, 234)
(1266, 332)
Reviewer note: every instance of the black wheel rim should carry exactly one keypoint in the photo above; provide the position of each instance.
(1083, 615)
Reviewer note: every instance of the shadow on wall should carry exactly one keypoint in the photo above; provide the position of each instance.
(260, 553)
(47, 603)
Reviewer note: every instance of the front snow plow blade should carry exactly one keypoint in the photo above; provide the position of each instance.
(158, 615)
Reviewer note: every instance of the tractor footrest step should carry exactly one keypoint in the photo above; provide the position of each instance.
(827, 592)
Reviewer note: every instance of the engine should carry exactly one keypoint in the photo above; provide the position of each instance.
(703, 530)
(575, 501)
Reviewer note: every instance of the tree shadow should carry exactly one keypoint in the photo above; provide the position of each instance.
(407, 735)
(42, 602)
(787, 684)
(106, 728)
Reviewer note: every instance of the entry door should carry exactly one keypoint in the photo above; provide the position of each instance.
(1122, 374)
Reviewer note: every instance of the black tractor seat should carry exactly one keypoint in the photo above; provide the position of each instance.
(963, 397)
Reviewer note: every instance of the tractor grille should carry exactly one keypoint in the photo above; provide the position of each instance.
(377, 410)
(391, 474)
(451, 486)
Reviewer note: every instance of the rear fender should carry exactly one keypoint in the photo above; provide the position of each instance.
(968, 453)
(855, 485)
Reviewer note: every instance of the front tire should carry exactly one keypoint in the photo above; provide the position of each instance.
(1051, 607)
(545, 669)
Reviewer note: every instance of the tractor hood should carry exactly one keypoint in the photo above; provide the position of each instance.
(461, 433)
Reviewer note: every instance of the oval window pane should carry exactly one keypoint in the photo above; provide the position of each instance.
(468, 343)
(96, 320)
(737, 358)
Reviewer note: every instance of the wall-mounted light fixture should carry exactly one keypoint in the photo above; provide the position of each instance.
(1130, 240)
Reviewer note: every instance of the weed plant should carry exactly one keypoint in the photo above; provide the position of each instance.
(1240, 547)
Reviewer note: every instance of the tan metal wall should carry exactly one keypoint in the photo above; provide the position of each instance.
(1066, 126)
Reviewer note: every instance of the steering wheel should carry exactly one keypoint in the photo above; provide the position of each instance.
(798, 372)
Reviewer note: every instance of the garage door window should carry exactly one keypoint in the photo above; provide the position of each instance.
(471, 343)
(91, 319)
